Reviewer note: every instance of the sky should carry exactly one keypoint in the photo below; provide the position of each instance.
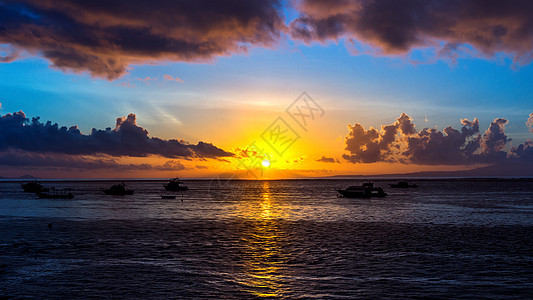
(263, 89)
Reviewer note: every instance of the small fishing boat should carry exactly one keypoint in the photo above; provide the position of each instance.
(56, 194)
(403, 185)
(168, 196)
(366, 190)
(118, 190)
(34, 187)
(175, 184)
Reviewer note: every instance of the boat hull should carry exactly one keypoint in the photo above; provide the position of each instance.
(403, 185)
(174, 189)
(34, 188)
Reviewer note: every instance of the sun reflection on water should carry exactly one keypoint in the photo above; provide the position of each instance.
(264, 255)
(266, 204)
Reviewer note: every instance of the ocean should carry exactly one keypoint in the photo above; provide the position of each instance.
(448, 238)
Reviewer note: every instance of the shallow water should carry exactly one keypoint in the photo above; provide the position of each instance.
(289, 238)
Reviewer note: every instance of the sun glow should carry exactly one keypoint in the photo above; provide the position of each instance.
(265, 163)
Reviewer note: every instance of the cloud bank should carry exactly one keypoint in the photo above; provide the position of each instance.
(30, 160)
(400, 142)
(105, 37)
(396, 27)
(126, 139)
(23, 159)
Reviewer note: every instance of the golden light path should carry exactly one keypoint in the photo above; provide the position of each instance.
(264, 256)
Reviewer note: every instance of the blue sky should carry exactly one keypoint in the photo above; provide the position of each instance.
(382, 87)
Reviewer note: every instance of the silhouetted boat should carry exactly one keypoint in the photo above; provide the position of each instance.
(34, 187)
(168, 196)
(403, 184)
(174, 184)
(56, 194)
(366, 190)
(118, 190)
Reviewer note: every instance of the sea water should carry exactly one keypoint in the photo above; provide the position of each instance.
(278, 238)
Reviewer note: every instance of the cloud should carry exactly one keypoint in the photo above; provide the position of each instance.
(396, 27)
(328, 160)
(399, 142)
(367, 146)
(12, 158)
(126, 139)
(494, 139)
(171, 165)
(529, 122)
(448, 147)
(104, 38)
(251, 152)
(168, 77)
(524, 151)
(34, 161)
(146, 79)
(8, 53)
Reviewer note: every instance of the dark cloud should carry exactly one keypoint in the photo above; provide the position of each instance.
(494, 140)
(524, 151)
(126, 139)
(105, 37)
(396, 27)
(328, 160)
(31, 160)
(449, 147)
(400, 142)
(25, 159)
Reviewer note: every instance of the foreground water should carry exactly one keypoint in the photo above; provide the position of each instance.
(246, 239)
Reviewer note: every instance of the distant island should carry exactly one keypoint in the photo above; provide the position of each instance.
(507, 170)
